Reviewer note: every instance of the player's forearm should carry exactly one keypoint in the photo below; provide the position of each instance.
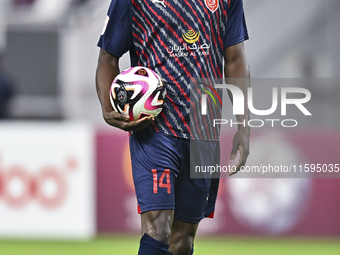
(237, 69)
(107, 70)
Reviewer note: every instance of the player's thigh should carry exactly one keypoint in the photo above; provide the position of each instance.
(191, 199)
(155, 164)
(195, 197)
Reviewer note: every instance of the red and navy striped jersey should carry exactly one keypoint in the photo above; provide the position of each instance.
(181, 40)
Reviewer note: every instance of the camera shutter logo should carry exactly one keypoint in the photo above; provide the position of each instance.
(204, 98)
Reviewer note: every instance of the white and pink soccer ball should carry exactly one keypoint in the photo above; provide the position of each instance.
(137, 92)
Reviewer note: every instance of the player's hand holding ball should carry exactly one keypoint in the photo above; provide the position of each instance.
(137, 96)
(122, 121)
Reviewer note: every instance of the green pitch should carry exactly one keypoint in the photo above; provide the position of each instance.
(126, 245)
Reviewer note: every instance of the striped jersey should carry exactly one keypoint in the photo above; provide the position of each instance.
(182, 41)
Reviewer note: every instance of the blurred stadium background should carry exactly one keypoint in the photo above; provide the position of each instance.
(65, 180)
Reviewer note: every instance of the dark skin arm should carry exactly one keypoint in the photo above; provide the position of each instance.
(236, 66)
(107, 70)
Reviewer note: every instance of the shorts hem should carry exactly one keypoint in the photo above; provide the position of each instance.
(157, 208)
(188, 219)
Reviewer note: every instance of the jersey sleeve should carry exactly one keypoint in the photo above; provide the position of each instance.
(116, 37)
(236, 28)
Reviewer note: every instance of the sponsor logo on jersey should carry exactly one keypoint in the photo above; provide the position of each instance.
(212, 5)
(190, 47)
(191, 36)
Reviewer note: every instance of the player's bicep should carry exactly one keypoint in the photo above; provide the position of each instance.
(234, 53)
(107, 70)
(108, 59)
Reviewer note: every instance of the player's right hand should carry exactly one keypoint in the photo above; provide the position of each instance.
(241, 144)
(122, 121)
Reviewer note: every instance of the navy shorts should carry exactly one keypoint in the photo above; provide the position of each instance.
(161, 175)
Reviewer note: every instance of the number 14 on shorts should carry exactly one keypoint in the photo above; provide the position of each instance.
(161, 183)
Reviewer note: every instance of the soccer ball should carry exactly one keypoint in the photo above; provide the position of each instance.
(137, 92)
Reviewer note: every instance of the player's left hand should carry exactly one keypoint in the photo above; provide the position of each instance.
(240, 143)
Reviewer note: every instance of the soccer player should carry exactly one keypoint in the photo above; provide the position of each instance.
(180, 40)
